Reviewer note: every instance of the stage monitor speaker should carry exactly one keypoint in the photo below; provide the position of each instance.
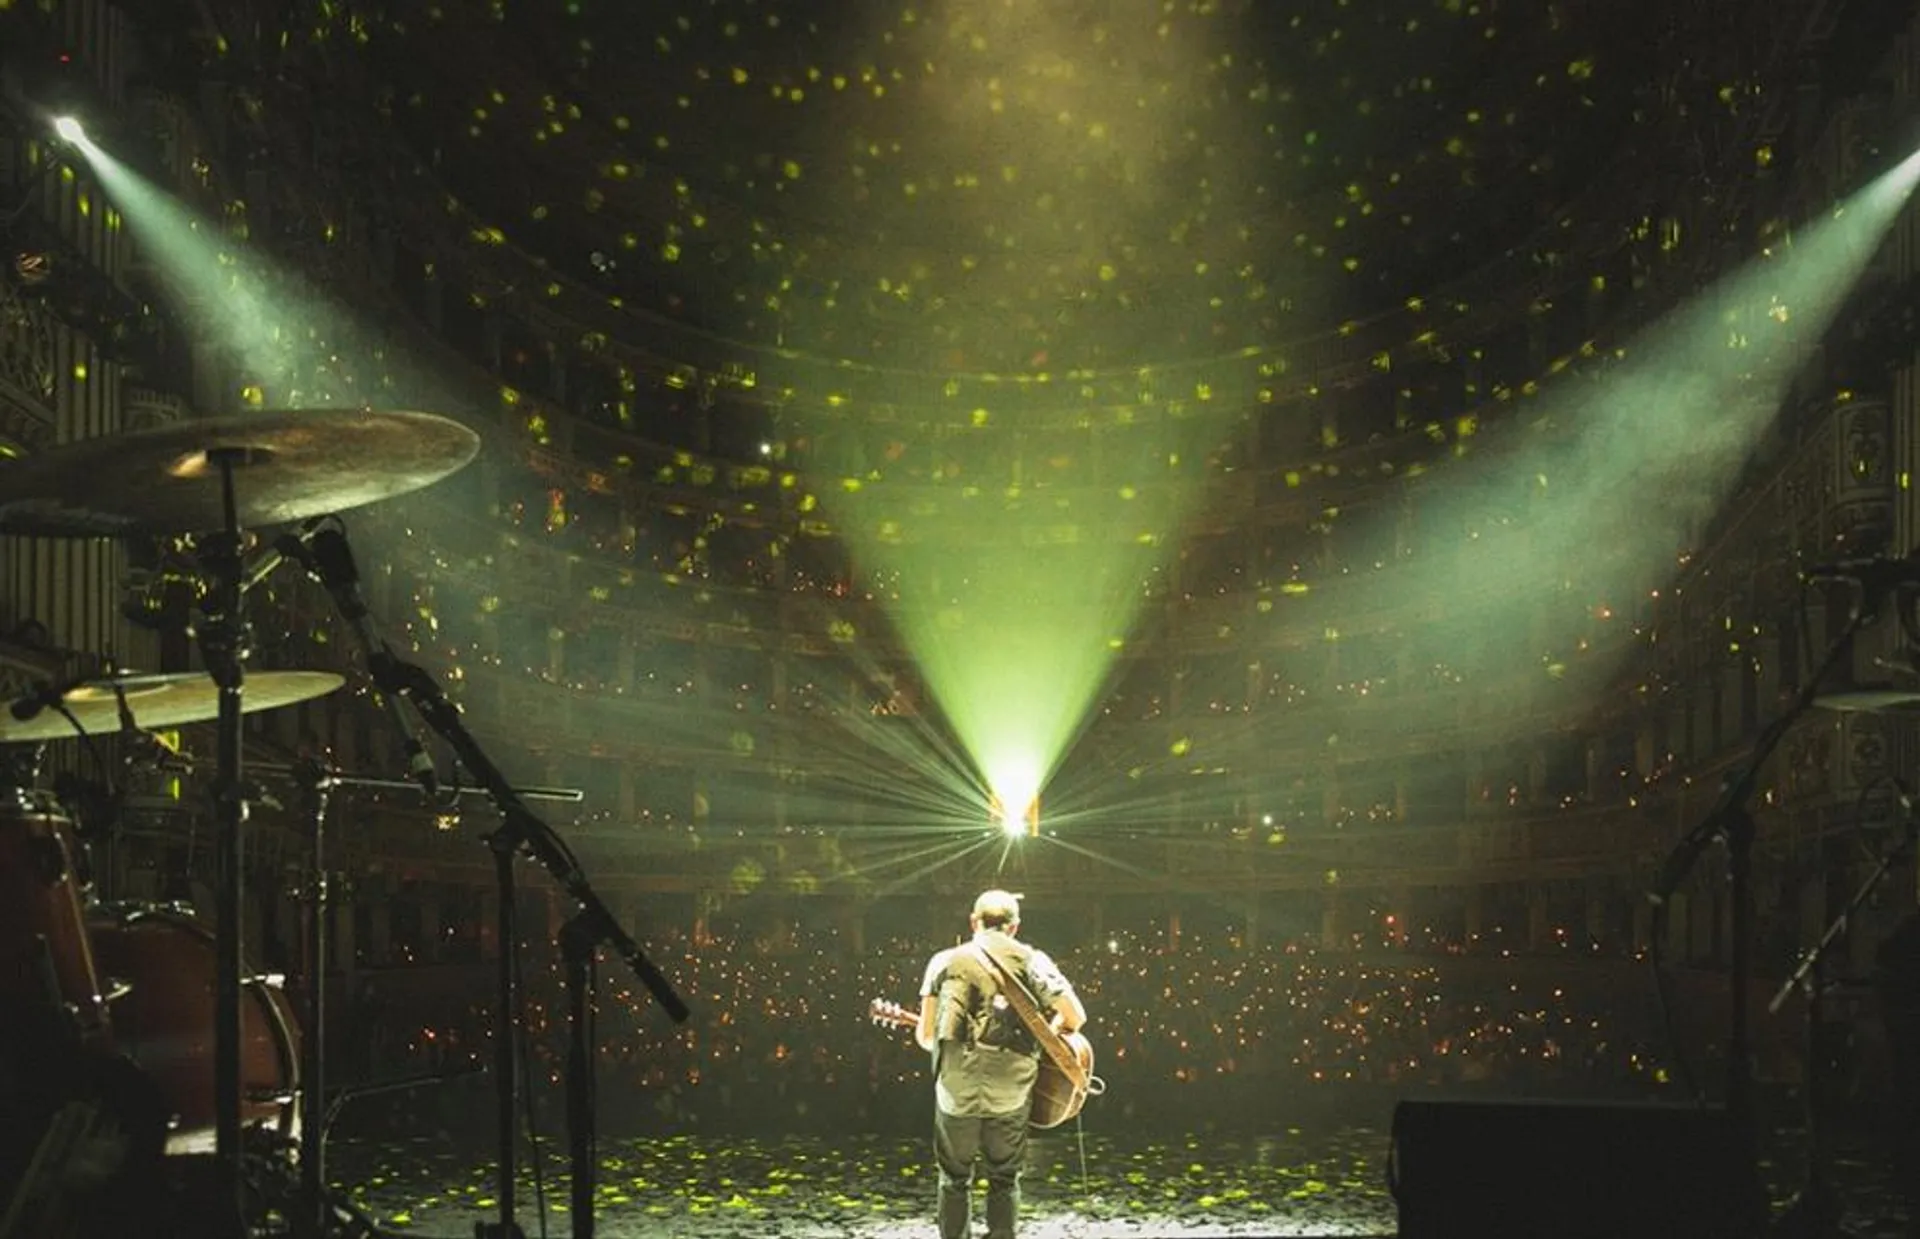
(1569, 1170)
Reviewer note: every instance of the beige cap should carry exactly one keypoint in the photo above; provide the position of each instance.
(998, 904)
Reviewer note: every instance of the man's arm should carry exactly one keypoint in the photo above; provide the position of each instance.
(923, 1032)
(1069, 1013)
(1056, 992)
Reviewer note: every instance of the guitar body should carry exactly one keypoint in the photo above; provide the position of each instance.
(1057, 1094)
(1066, 1076)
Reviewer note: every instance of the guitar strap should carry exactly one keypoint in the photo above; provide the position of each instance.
(1010, 979)
(1028, 1009)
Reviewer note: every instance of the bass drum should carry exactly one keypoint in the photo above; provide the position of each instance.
(47, 969)
(164, 1022)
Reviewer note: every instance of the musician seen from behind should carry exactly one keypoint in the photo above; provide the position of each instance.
(985, 1060)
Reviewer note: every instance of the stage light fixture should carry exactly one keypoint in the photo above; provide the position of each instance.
(70, 130)
(1013, 820)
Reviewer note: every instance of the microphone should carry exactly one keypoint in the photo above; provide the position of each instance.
(29, 706)
(296, 546)
(1873, 573)
(1678, 865)
(287, 546)
(322, 549)
(143, 750)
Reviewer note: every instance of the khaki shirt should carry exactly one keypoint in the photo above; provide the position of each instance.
(979, 1081)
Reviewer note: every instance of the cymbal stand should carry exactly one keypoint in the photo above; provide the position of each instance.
(1731, 821)
(520, 830)
(225, 643)
(1815, 1209)
(317, 781)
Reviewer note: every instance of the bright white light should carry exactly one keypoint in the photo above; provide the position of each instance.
(69, 129)
(1014, 803)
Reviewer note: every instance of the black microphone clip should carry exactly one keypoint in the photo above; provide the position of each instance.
(29, 706)
(1874, 576)
(322, 549)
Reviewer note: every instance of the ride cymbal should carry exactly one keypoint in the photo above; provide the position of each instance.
(288, 466)
(161, 700)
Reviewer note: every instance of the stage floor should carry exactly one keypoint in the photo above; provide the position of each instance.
(1291, 1183)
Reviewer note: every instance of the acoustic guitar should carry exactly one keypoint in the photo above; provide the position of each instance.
(1066, 1077)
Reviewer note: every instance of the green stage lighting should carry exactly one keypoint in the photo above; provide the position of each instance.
(1016, 815)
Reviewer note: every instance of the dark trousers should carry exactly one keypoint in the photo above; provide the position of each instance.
(1000, 1144)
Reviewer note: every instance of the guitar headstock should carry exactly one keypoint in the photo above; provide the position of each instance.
(884, 1012)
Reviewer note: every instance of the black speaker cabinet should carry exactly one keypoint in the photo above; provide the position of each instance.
(1569, 1170)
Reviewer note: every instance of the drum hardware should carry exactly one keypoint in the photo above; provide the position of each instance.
(186, 478)
(94, 1168)
(317, 783)
(568, 795)
(343, 1097)
(275, 1188)
(20, 767)
(39, 1206)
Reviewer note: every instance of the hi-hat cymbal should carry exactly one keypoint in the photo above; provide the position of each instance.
(167, 700)
(288, 466)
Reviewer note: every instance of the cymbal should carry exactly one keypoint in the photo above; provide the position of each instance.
(1857, 700)
(288, 465)
(163, 700)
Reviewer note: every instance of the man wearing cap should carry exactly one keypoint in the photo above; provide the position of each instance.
(985, 1060)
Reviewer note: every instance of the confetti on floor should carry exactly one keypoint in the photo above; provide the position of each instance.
(1294, 1183)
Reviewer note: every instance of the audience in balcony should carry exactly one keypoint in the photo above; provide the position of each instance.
(1205, 1032)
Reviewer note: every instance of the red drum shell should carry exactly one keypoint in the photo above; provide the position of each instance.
(164, 1022)
(46, 958)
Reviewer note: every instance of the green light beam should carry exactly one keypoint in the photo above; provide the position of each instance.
(1015, 549)
(1596, 498)
(947, 847)
(1159, 880)
(910, 879)
(296, 348)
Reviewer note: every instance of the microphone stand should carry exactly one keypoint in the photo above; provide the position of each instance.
(521, 830)
(317, 781)
(1732, 822)
(1815, 1209)
(577, 945)
(503, 843)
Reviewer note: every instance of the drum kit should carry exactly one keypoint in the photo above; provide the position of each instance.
(134, 1039)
